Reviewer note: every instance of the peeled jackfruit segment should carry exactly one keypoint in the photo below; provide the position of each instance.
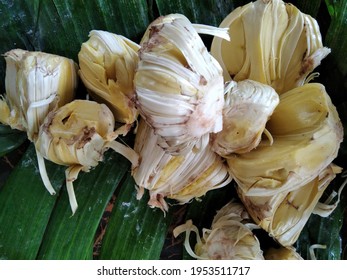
(307, 133)
(182, 177)
(77, 135)
(107, 67)
(35, 83)
(230, 236)
(179, 85)
(284, 214)
(247, 108)
(273, 42)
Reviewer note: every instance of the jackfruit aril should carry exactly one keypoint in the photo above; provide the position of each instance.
(272, 42)
(281, 184)
(180, 177)
(36, 83)
(179, 85)
(77, 135)
(248, 106)
(107, 66)
(285, 214)
(307, 134)
(230, 236)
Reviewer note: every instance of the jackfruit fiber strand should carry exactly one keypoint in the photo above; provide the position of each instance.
(107, 67)
(285, 214)
(273, 42)
(77, 135)
(247, 108)
(179, 85)
(36, 83)
(230, 236)
(307, 133)
(182, 177)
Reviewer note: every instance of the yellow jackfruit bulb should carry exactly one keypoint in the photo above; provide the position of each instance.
(248, 106)
(303, 110)
(181, 177)
(282, 253)
(107, 67)
(307, 133)
(284, 215)
(230, 236)
(179, 85)
(35, 84)
(273, 42)
(77, 135)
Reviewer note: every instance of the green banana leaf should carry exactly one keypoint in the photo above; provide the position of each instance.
(26, 208)
(111, 223)
(326, 231)
(72, 237)
(10, 139)
(133, 220)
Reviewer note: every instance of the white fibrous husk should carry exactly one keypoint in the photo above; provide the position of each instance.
(182, 177)
(247, 108)
(107, 67)
(307, 133)
(35, 84)
(272, 42)
(179, 85)
(230, 236)
(285, 214)
(77, 135)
